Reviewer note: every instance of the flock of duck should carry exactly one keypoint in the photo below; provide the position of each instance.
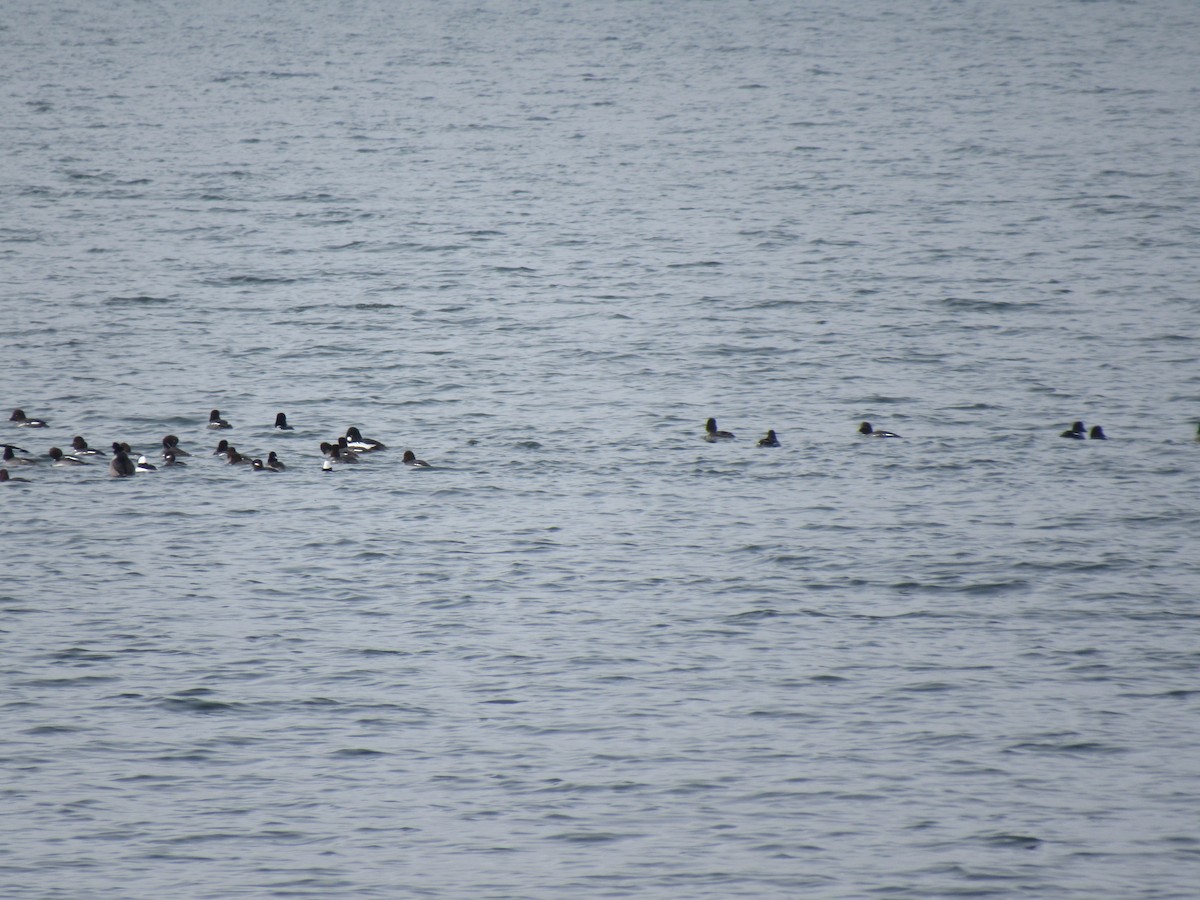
(343, 450)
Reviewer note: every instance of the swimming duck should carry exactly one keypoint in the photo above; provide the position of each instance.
(410, 459)
(258, 466)
(233, 458)
(1076, 431)
(61, 459)
(5, 477)
(81, 449)
(221, 448)
(273, 462)
(170, 445)
(170, 460)
(23, 421)
(281, 422)
(327, 466)
(144, 465)
(1097, 434)
(360, 443)
(346, 450)
(711, 433)
(11, 458)
(770, 440)
(338, 455)
(120, 466)
(215, 420)
(866, 429)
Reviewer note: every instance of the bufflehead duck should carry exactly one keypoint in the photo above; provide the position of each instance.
(144, 465)
(120, 466)
(11, 458)
(171, 445)
(770, 440)
(215, 420)
(61, 459)
(865, 428)
(1097, 434)
(273, 462)
(410, 459)
(23, 421)
(221, 448)
(170, 460)
(360, 443)
(1076, 431)
(327, 466)
(281, 422)
(711, 433)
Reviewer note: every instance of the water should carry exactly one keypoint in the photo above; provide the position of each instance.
(588, 653)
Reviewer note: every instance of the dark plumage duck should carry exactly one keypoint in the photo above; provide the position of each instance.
(281, 422)
(81, 449)
(273, 462)
(61, 459)
(1097, 434)
(169, 460)
(23, 421)
(215, 420)
(120, 466)
(771, 440)
(410, 459)
(11, 458)
(1076, 432)
(361, 444)
(711, 433)
(221, 448)
(171, 445)
(866, 429)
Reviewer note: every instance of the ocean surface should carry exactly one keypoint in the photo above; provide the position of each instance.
(587, 653)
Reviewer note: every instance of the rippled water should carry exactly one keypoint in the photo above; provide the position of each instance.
(588, 653)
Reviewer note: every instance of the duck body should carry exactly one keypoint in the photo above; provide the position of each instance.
(866, 430)
(80, 448)
(712, 435)
(170, 445)
(273, 462)
(361, 444)
(410, 459)
(1075, 432)
(23, 421)
(121, 466)
(281, 422)
(169, 460)
(144, 465)
(215, 420)
(61, 459)
(771, 440)
(11, 458)
(1097, 434)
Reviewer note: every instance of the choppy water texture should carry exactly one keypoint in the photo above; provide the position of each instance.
(588, 654)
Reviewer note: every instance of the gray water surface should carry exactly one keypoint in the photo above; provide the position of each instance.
(588, 653)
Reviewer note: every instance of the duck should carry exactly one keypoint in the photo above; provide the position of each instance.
(342, 456)
(11, 458)
(258, 466)
(170, 460)
(711, 434)
(61, 459)
(273, 462)
(144, 465)
(171, 445)
(346, 450)
(215, 420)
(281, 422)
(410, 459)
(327, 449)
(80, 448)
(233, 458)
(361, 444)
(327, 466)
(770, 440)
(866, 429)
(221, 448)
(1097, 434)
(120, 466)
(6, 478)
(1076, 431)
(23, 421)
